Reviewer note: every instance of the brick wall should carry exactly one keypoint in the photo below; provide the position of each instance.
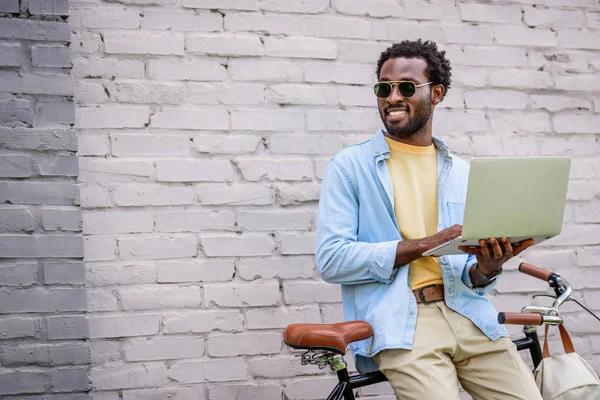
(42, 275)
(204, 129)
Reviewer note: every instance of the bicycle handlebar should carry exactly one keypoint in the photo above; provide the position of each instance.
(513, 318)
(534, 271)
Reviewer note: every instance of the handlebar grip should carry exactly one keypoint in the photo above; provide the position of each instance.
(534, 271)
(511, 318)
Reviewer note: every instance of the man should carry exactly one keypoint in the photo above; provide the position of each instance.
(386, 201)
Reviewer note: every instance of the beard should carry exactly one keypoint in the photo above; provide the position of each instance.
(415, 125)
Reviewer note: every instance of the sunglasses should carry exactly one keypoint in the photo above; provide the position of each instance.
(406, 88)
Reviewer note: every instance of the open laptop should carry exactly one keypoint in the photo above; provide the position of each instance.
(514, 197)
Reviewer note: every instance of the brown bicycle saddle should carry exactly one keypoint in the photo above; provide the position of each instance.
(332, 337)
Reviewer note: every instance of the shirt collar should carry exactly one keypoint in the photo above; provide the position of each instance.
(380, 145)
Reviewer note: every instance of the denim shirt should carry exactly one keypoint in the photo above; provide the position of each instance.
(357, 236)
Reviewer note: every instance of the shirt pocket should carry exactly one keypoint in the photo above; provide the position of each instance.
(456, 213)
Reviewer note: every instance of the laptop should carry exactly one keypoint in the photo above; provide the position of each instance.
(514, 197)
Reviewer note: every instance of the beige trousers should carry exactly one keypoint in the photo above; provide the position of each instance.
(448, 348)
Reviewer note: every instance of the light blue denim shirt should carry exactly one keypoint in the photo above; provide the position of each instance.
(357, 236)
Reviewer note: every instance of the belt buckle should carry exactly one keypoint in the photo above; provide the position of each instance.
(422, 296)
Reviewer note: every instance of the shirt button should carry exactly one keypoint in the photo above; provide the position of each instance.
(411, 313)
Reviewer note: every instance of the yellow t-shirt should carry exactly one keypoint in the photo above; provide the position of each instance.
(413, 170)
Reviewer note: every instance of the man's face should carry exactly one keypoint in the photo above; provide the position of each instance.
(408, 115)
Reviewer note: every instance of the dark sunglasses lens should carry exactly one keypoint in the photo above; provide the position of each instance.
(407, 89)
(382, 90)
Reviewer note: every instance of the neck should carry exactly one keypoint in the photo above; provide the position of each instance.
(420, 138)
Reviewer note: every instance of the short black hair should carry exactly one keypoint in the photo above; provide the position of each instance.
(438, 66)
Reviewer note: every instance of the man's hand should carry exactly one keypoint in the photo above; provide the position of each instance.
(493, 253)
(443, 236)
(409, 250)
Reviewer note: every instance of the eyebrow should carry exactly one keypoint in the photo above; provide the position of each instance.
(383, 79)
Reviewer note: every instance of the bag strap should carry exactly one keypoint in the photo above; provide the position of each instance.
(564, 337)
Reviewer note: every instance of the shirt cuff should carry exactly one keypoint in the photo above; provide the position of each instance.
(384, 257)
(466, 278)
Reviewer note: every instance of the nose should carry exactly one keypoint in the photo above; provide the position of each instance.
(394, 96)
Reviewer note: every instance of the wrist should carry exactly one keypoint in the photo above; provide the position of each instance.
(479, 278)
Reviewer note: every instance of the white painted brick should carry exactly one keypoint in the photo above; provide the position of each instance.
(423, 10)
(294, 243)
(287, 366)
(99, 248)
(302, 94)
(163, 348)
(186, 70)
(247, 5)
(267, 120)
(584, 169)
(127, 145)
(494, 56)
(225, 93)
(480, 34)
(582, 190)
(518, 122)
(143, 43)
(234, 195)
(302, 292)
(120, 116)
(245, 391)
(189, 170)
(500, 14)
(576, 39)
(284, 268)
(146, 92)
(306, 6)
(242, 295)
(191, 118)
(588, 256)
(332, 313)
(239, 344)
(587, 212)
(95, 196)
(182, 20)
(342, 120)
(293, 193)
(274, 220)
(154, 248)
(102, 351)
(233, 369)
(102, 222)
(114, 326)
(250, 22)
(312, 388)
(224, 44)
(360, 51)
(283, 170)
(300, 47)
(324, 72)
(202, 321)
(113, 17)
(558, 103)
(243, 69)
(270, 318)
(357, 96)
(18, 274)
(129, 376)
(87, 92)
(194, 220)
(553, 18)
(101, 300)
(490, 98)
(335, 27)
(470, 77)
(152, 195)
(160, 297)
(521, 36)
(550, 260)
(578, 235)
(376, 8)
(102, 170)
(227, 144)
(593, 19)
(192, 393)
(106, 274)
(576, 123)
(393, 29)
(581, 82)
(245, 245)
(570, 3)
(107, 67)
(518, 78)
(576, 145)
(194, 271)
(320, 167)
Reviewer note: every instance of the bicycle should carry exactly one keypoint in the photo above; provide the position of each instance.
(325, 344)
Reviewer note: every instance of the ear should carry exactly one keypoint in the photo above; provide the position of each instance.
(437, 93)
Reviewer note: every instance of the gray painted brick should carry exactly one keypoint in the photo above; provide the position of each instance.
(19, 382)
(18, 28)
(68, 327)
(15, 166)
(27, 83)
(51, 56)
(42, 300)
(38, 246)
(71, 379)
(70, 354)
(54, 113)
(61, 220)
(61, 165)
(18, 327)
(16, 219)
(39, 193)
(16, 113)
(10, 53)
(70, 273)
(9, 6)
(49, 7)
(15, 356)
(38, 139)
(18, 274)
(70, 396)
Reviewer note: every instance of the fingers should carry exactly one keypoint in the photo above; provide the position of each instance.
(519, 247)
(485, 251)
(496, 250)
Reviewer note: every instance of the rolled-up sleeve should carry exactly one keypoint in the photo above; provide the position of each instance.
(466, 278)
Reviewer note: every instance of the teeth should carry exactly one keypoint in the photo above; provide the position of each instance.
(394, 113)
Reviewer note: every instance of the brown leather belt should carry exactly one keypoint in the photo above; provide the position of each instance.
(429, 294)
